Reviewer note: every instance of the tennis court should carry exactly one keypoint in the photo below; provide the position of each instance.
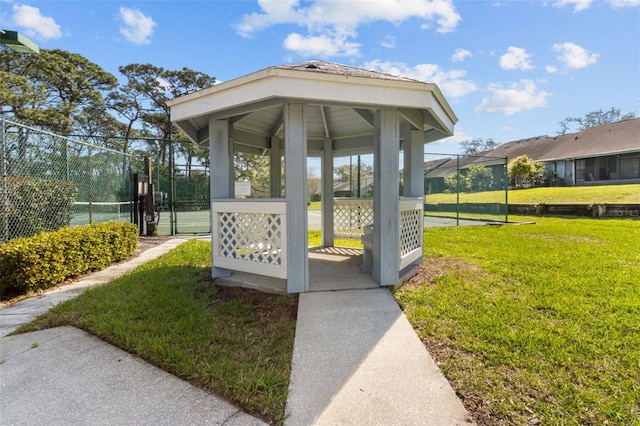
(85, 213)
(199, 222)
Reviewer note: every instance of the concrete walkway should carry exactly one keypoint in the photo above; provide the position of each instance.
(356, 360)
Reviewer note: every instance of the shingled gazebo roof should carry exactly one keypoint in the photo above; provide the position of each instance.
(339, 69)
(341, 101)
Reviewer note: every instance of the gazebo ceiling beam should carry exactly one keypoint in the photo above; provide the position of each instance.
(242, 137)
(357, 143)
(246, 149)
(366, 115)
(430, 120)
(190, 130)
(235, 119)
(246, 109)
(277, 126)
(414, 117)
(327, 135)
(203, 135)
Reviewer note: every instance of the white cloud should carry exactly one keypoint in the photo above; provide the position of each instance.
(339, 20)
(516, 58)
(516, 97)
(624, 3)
(164, 84)
(389, 42)
(578, 5)
(34, 24)
(136, 27)
(574, 56)
(322, 45)
(551, 69)
(461, 54)
(451, 82)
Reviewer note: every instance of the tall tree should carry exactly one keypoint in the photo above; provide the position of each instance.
(592, 119)
(477, 145)
(147, 91)
(51, 89)
(254, 169)
(350, 171)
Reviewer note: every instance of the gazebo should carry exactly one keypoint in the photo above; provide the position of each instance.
(325, 110)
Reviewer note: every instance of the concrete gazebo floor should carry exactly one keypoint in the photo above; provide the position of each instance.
(330, 269)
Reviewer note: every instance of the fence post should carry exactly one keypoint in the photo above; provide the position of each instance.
(90, 194)
(172, 191)
(506, 189)
(3, 169)
(458, 177)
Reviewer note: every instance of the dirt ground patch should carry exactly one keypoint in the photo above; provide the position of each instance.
(434, 267)
(269, 306)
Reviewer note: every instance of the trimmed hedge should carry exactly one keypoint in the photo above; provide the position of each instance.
(40, 262)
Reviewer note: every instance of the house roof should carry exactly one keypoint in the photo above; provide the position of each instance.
(365, 181)
(340, 100)
(607, 139)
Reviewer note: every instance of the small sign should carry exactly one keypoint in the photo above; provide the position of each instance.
(243, 188)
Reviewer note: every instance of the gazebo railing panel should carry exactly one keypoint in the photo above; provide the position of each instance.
(250, 236)
(350, 215)
(411, 230)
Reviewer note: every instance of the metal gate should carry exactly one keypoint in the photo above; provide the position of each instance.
(182, 197)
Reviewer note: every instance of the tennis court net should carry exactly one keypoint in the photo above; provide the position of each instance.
(86, 212)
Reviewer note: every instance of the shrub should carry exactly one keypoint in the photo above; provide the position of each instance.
(457, 182)
(37, 205)
(480, 177)
(42, 261)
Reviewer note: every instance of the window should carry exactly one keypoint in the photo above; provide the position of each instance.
(630, 168)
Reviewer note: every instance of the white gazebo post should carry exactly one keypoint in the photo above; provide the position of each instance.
(221, 182)
(275, 168)
(413, 185)
(386, 244)
(295, 177)
(327, 193)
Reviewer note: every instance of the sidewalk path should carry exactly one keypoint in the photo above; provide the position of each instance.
(358, 361)
(65, 376)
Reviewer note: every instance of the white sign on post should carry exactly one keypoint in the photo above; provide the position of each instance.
(243, 188)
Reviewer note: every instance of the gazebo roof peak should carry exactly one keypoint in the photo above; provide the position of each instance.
(315, 65)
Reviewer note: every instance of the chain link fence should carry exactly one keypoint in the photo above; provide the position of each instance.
(50, 181)
(188, 210)
(470, 187)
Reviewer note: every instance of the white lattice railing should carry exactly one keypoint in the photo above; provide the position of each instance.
(250, 236)
(411, 230)
(350, 215)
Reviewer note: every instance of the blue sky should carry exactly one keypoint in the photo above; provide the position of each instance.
(509, 69)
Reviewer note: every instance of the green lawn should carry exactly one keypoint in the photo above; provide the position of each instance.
(563, 195)
(528, 322)
(535, 321)
(168, 312)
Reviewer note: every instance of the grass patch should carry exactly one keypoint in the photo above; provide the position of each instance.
(558, 195)
(534, 322)
(314, 205)
(315, 239)
(234, 342)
